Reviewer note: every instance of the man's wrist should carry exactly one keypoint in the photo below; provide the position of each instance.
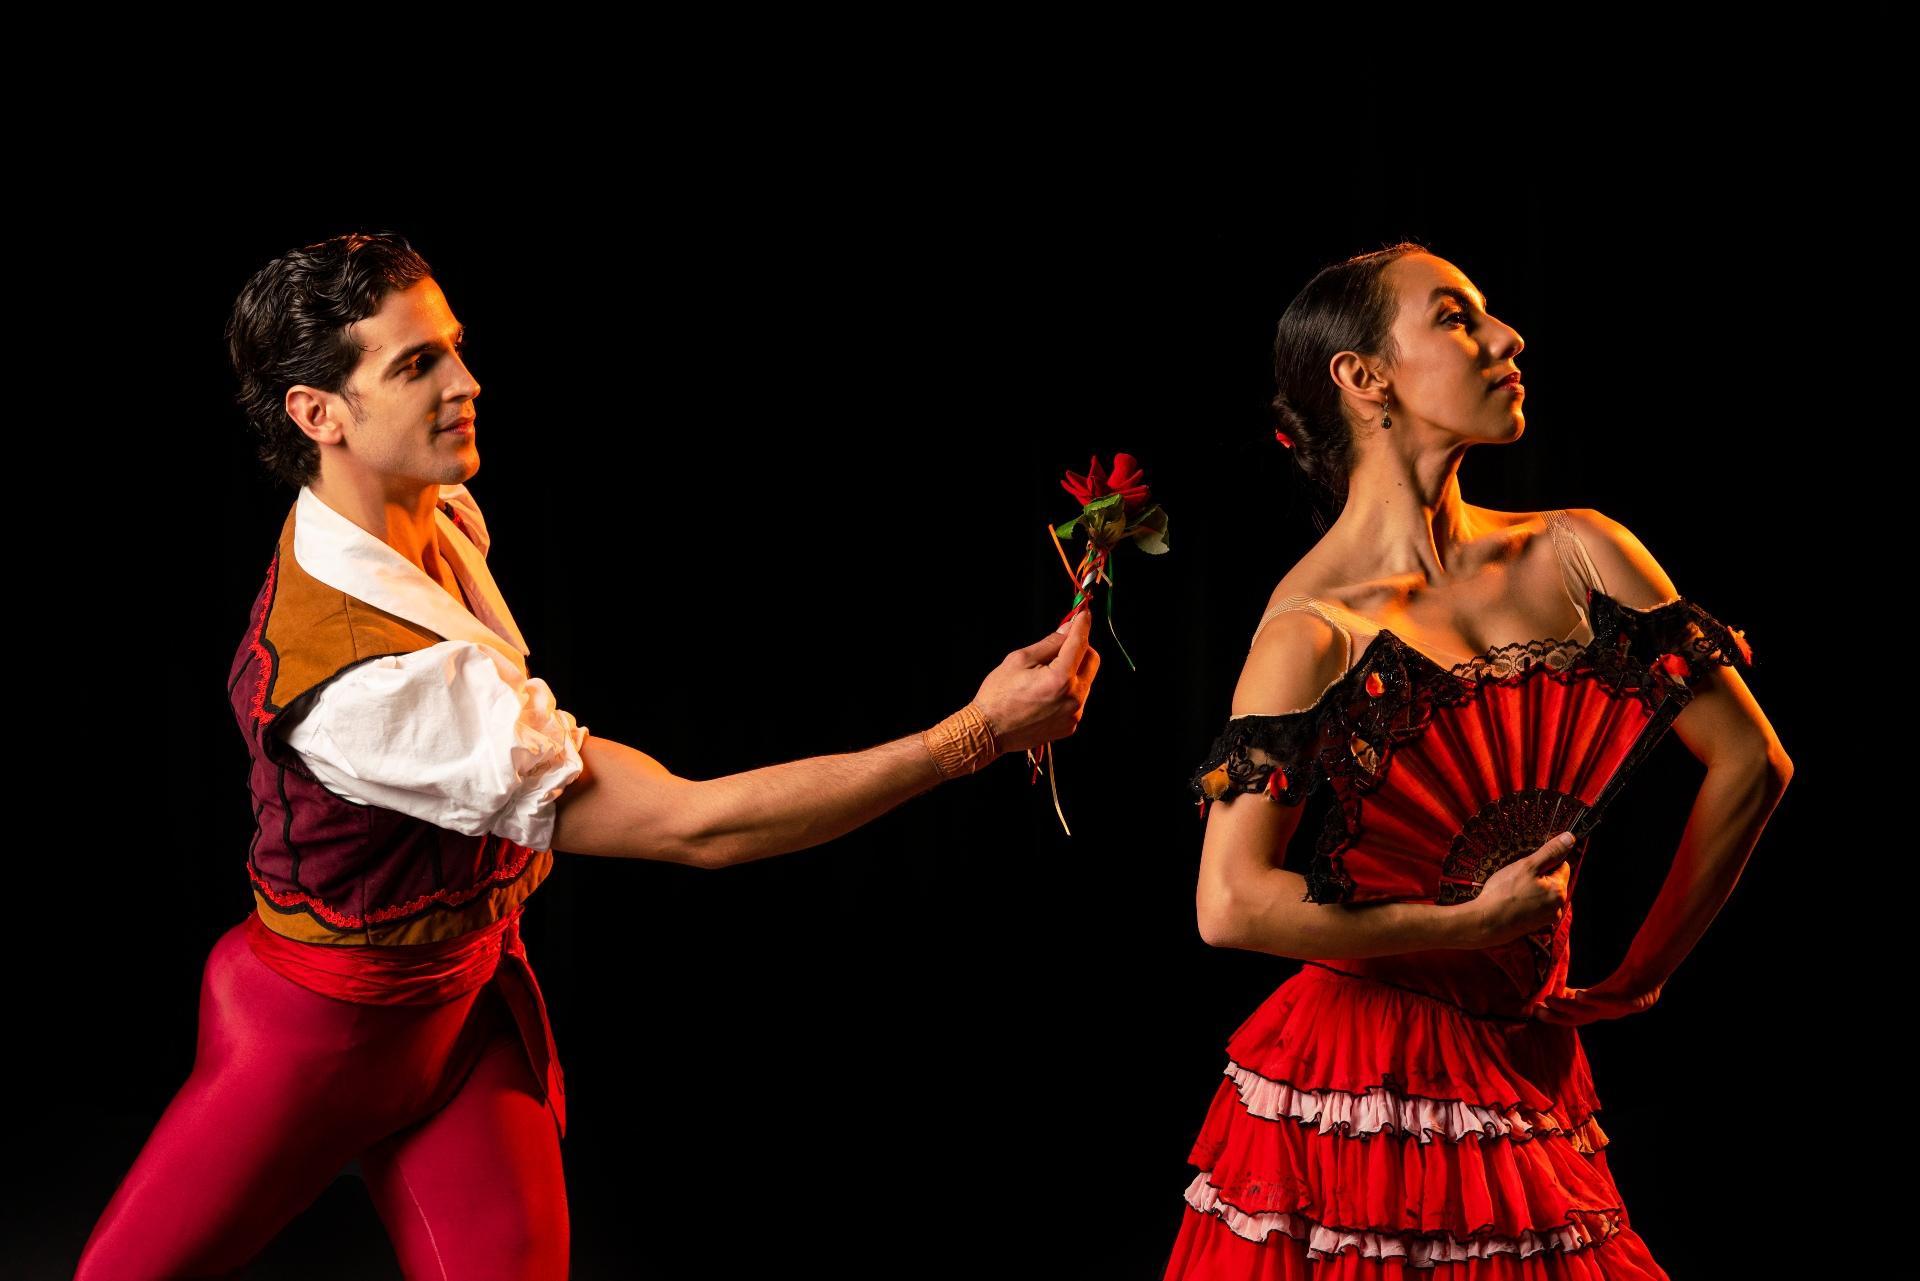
(963, 743)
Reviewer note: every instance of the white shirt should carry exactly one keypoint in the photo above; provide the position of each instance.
(457, 733)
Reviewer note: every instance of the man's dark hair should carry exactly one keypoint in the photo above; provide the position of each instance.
(290, 325)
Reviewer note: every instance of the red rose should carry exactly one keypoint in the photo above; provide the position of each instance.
(1127, 480)
(1088, 487)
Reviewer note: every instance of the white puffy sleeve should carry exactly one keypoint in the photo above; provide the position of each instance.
(452, 734)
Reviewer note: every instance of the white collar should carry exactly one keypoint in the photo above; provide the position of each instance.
(344, 556)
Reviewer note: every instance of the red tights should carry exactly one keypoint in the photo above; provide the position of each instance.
(437, 1102)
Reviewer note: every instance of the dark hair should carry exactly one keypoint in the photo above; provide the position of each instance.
(290, 325)
(1347, 306)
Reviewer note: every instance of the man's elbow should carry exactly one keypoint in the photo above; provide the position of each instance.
(661, 822)
(686, 841)
(697, 835)
(710, 853)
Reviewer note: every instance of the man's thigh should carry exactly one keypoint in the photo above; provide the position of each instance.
(268, 1116)
(477, 1189)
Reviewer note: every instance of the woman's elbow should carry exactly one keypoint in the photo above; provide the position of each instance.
(1781, 765)
(1217, 918)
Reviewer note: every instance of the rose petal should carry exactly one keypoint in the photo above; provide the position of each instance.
(1126, 472)
(1097, 478)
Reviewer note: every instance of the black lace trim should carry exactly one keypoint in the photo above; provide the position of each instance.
(1271, 754)
(1656, 655)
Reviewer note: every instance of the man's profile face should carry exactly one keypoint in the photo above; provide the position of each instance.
(409, 387)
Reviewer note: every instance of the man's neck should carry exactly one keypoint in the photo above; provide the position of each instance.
(399, 516)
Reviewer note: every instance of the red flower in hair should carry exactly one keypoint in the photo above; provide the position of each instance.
(1283, 438)
(1127, 480)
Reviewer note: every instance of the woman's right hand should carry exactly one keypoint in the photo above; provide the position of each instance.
(1526, 895)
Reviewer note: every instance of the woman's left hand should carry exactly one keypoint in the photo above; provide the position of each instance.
(1611, 998)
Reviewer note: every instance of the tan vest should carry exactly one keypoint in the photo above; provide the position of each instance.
(324, 869)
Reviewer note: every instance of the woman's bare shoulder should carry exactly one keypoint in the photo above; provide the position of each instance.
(1629, 572)
(1312, 576)
(1515, 527)
(1295, 659)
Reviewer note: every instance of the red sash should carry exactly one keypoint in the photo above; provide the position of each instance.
(419, 974)
(427, 974)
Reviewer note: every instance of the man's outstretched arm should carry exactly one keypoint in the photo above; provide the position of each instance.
(625, 804)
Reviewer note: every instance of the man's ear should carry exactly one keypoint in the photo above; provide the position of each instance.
(321, 415)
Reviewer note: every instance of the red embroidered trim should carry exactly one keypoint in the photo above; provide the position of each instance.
(259, 701)
(448, 898)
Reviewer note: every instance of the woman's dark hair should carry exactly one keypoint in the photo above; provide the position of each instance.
(290, 325)
(1347, 306)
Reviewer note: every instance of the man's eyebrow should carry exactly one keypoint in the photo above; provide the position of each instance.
(408, 353)
(1459, 295)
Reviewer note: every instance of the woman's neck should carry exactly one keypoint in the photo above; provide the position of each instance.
(1405, 518)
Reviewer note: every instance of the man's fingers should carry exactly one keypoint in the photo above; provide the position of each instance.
(1040, 652)
(1068, 657)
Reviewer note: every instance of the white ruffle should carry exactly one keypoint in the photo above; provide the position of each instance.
(1382, 1109)
(1418, 1251)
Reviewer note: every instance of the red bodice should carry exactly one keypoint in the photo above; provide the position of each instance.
(1441, 776)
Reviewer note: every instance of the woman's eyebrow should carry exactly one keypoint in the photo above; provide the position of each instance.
(1456, 293)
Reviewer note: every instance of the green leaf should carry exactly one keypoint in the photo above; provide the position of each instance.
(1105, 520)
(1150, 531)
(1066, 531)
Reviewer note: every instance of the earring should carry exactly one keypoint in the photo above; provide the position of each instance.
(1386, 419)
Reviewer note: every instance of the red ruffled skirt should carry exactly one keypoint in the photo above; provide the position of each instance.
(1365, 1130)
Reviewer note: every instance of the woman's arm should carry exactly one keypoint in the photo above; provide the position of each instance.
(625, 804)
(1735, 801)
(1747, 772)
(1245, 899)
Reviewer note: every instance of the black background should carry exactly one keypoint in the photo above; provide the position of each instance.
(768, 444)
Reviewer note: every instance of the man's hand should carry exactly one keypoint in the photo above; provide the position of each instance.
(1036, 694)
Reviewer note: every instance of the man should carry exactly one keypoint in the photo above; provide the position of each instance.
(411, 782)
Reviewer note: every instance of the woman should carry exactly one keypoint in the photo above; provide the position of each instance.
(1473, 686)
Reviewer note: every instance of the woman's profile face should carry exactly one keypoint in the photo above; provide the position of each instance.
(1452, 354)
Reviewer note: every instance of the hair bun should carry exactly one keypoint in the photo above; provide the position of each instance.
(1292, 427)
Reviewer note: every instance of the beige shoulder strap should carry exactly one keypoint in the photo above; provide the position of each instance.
(1341, 620)
(1577, 569)
(1331, 613)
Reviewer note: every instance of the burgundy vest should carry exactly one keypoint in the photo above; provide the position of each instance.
(324, 869)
